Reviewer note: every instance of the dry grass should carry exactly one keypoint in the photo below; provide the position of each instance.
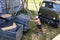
(48, 33)
(34, 34)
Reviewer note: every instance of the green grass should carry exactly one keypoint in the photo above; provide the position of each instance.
(50, 32)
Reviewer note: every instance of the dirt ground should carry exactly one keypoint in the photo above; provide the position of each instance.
(48, 33)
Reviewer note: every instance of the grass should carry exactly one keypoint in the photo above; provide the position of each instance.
(34, 33)
(32, 1)
(31, 4)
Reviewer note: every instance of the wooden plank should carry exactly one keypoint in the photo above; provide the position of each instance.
(6, 15)
(57, 37)
(9, 27)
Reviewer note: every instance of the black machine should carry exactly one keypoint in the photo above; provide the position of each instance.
(49, 13)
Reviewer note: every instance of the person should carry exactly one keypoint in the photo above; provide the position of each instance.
(38, 22)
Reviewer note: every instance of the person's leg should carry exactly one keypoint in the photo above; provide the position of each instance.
(39, 26)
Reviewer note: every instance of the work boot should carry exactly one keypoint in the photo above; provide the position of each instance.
(39, 27)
